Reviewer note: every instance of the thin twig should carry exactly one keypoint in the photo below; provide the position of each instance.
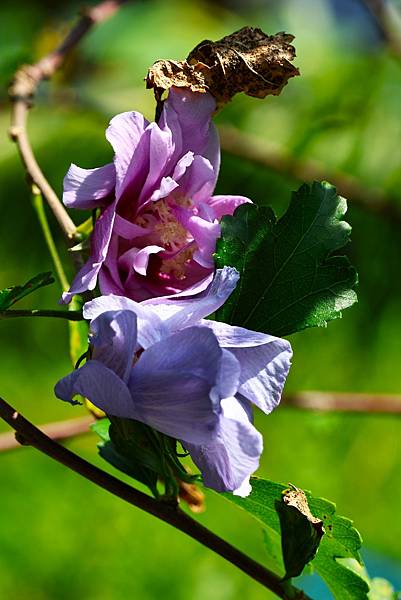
(345, 402)
(29, 434)
(388, 21)
(253, 149)
(22, 91)
(70, 315)
(319, 401)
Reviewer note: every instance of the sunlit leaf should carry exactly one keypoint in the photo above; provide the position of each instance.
(341, 539)
(291, 276)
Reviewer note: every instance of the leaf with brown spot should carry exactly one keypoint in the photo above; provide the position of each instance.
(341, 539)
(301, 531)
(248, 61)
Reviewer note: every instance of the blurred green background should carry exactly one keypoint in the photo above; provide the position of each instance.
(62, 538)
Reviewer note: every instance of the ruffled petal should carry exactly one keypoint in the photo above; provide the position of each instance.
(141, 259)
(87, 188)
(113, 339)
(100, 385)
(179, 312)
(198, 180)
(151, 329)
(146, 172)
(226, 205)
(86, 278)
(181, 110)
(204, 233)
(265, 362)
(124, 134)
(161, 148)
(166, 186)
(138, 259)
(172, 381)
(182, 165)
(128, 230)
(227, 463)
(109, 275)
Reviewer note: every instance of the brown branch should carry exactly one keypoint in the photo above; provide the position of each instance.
(319, 401)
(359, 403)
(172, 514)
(389, 23)
(252, 148)
(22, 91)
(58, 431)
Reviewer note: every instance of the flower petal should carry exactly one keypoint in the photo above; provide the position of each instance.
(113, 339)
(182, 165)
(226, 205)
(265, 362)
(172, 381)
(204, 233)
(128, 230)
(124, 134)
(87, 188)
(141, 259)
(161, 148)
(179, 312)
(198, 180)
(166, 186)
(181, 110)
(100, 385)
(86, 278)
(151, 329)
(227, 463)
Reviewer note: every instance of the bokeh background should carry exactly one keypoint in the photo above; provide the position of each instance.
(62, 538)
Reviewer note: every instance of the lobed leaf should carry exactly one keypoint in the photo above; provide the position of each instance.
(291, 276)
(341, 539)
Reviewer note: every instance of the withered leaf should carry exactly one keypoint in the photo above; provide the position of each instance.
(301, 531)
(248, 61)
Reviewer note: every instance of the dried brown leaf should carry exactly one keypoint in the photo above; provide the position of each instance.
(296, 497)
(246, 61)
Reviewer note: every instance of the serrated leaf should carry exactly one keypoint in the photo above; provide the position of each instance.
(13, 294)
(341, 539)
(290, 278)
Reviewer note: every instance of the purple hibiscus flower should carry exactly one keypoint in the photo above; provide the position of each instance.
(158, 222)
(160, 362)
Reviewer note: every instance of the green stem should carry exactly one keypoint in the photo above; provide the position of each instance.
(70, 315)
(38, 205)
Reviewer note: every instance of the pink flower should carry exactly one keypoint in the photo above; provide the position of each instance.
(158, 222)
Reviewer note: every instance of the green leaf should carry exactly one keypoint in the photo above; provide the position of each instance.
(143, 453)
(126, 446)
(13, 294)
(341, 539)
(101, 428)
(291, 276)
(301, 531)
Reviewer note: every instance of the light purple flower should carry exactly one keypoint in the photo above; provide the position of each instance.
(162, 363)
(159, 222)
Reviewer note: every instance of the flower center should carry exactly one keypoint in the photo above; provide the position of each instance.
(171, 234)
